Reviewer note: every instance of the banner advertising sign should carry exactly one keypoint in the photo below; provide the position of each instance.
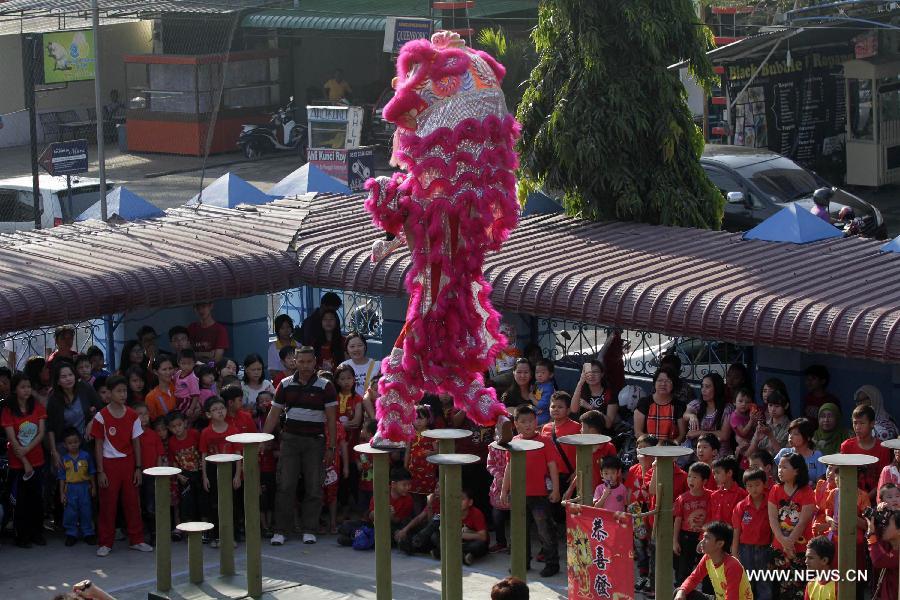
(69, 56)
(600, 554)
(399, 30)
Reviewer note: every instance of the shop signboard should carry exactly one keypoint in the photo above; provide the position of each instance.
(68, 56)
(350, 166)
(399, 30)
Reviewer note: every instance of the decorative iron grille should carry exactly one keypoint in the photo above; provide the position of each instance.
(39, 342)
(359, 311)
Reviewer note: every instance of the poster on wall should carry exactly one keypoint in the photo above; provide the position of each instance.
(599, 554)
(68, 56)
(797, 109)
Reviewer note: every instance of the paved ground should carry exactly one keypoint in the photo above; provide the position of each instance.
(324, 571)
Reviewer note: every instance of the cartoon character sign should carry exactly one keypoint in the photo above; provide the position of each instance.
(454, 203)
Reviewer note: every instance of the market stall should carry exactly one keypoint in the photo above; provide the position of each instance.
(335, 132)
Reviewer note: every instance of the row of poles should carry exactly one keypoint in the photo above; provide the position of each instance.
(450, 478)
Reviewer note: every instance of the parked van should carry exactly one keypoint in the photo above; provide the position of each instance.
(17, 201)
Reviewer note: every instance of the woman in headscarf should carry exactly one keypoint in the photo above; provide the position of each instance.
(831, 433)
(885, 427)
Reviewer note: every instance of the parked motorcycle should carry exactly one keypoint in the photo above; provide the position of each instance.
(280, 134)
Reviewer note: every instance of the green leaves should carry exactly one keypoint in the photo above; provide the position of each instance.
(605, 121)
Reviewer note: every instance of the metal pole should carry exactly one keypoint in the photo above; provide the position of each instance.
(517, 525)
(253, 539)
(98, 107)
(382, 493)
(451, 532)
(162, 489)
(226, 518)
(846, 551)
(664, 527)
(583, 464)
(445, 446)
(29, 61)
(195, 556)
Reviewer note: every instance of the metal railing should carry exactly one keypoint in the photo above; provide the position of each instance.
(40, 342)
(359, 311)
(572, 343)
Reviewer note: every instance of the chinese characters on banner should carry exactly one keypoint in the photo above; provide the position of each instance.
(600, 554)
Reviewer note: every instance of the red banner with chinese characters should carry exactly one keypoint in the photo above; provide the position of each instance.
(600, 554)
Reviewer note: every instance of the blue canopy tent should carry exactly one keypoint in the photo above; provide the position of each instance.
(228, 191)
(793, 224)
(892, 246)
(306, 179)
(124, 204)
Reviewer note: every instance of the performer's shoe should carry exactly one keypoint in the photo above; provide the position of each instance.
(380, 443)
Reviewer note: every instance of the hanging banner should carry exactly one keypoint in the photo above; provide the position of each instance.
(600, 554)
(69, 56)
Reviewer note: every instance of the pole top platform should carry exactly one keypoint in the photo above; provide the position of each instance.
(893, 444)
(664, 451)
(519, 445)
(161, 471)
(194, 527)
(447, 434)
(224, 458)
(452, 459)
(584, 439)
(368, 449)
(250, 438)
(847, 460)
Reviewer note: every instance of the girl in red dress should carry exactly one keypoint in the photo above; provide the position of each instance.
(417, 452)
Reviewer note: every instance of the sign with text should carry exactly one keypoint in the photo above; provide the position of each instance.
(399, 30)
(65, 158)
(332, 162)
(360, 166)
(69, 56)
(600, 554)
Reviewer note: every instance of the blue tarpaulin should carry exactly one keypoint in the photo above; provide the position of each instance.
(793, 224)
(892, 246)
(306, 179)
(228, 191)
(125, 204)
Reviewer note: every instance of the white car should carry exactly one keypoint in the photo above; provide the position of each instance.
(17, 201)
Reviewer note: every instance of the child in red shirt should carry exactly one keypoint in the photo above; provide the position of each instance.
(474, 530)
(539, 465)
(116, 429)
(865, 443)
(792, 504)
(184, 453)
(638, 484)
(424, 474)
(337, 471)
(728, 492)
(364, 465)
(690, 513)
(707, 450)
(237, 417)
(350, 409)
(401, 509)
(752, 534)
(561, 425)
(592, 422)
(151, 454)
(213, 441)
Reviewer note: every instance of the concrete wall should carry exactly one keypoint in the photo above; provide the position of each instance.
(125, 38)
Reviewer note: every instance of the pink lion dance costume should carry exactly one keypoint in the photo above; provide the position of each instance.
(455, 202)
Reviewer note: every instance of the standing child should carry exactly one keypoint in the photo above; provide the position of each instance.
(337, 469)
(151, 454)
(819, 558)
(236, 416)
(187, 386)
(544, 386)
(254, 380)
(184, 453)
(76, 490)
(350, 410)
(890, 473)
(889, 495)
(22, 418)
(728, 493)
(497, 459)
(364, 464)
(800, 441)
(725, 572)
(137, 386)
(690, 512)
(752, 534)
(743, 421)
(865, 443)
(268, 461)
(638, 484)
(161, 400)
(762, 460)
(791, 508)
(83, 369)
(95, 356)
(116, 429)
(206, 378)
(561, 425)
(288, 364)
(707, 450)
(611, 494)
(416, 462)
(539, 465)
(213, 441)
(592, 422)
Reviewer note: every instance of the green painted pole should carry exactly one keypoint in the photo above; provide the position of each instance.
(445, 446)
(195, 557)
(382, 494)
(163, 548)
(451, 532)
(584, 456)
(226, 518)
(664, 528)
(847, 484)
(517, 523)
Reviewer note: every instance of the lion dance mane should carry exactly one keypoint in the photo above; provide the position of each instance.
(454, 202)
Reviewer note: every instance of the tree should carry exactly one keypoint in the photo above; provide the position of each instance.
(606, 122)
(517, 56)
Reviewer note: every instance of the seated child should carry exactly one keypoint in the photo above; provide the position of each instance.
(819, 558)
(401, 509)
(726, 574)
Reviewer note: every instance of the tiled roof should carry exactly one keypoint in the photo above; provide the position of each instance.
(838, 297)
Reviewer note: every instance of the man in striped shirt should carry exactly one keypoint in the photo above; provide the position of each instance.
(309, 404)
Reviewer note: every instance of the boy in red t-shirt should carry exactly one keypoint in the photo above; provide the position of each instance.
(865, 443)
(752, 532)
(184, 453)
(561, 425)
(592, 422)
(401, 509)
(116, 429)
(151, 454)
(539, 466)
(728, 493)
(213, 441)
(236, 416)
(338, 470)
(707, 450)
(690, 512)
(638, 484)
